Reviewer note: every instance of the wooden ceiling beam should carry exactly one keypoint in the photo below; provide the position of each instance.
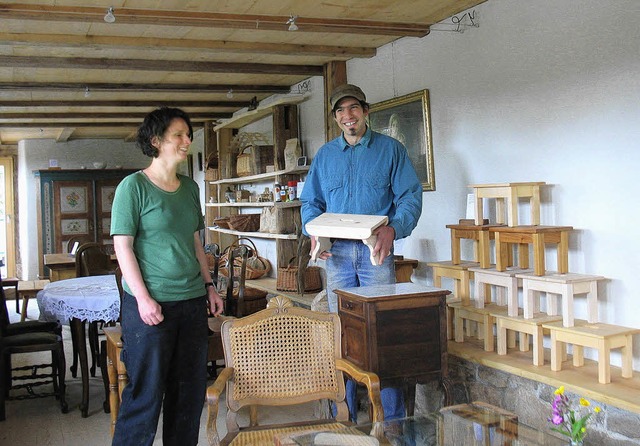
(93, 115)
(193, 88)
(210, 20)
(65, 134)
(75, 41)
(186, 66)
(123, 103)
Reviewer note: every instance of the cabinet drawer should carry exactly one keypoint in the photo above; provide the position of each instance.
(351, 307)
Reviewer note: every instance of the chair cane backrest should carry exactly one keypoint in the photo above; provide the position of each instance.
(92, 260)
(283, 355)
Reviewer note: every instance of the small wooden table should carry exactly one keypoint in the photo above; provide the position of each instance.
(538, 236)
(118, 378)
(26, 290)
(509, 192)
(397, 331)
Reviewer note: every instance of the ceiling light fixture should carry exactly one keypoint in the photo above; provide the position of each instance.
(292, 23)
(109, 17)
(87, 92)
(230, 94)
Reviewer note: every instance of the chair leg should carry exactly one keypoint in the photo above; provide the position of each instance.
(61, 366)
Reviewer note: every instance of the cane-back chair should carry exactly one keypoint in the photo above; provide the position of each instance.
(283, 355)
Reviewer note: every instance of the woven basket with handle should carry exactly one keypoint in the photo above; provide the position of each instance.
(257, 266)
(287, 279)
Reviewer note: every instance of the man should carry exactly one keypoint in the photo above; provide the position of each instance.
(362, 172)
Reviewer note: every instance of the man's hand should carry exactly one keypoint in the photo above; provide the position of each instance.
(386, 235)
(324, 255)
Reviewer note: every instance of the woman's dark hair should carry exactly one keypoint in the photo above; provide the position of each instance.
(155, 124)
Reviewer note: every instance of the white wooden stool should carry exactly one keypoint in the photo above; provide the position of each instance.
(484, 316)
(509, 192)
(537, 236)
(525, 327)
(506, 283)
(602, 337)
(567, 286)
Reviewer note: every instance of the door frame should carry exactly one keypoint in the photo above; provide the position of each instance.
(10, 254)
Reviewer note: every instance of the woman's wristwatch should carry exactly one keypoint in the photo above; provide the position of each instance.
(208, 284)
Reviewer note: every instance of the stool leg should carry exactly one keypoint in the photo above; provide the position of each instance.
(479, 210)
(501, 295)
(512, 298)
(502, 338)
(578, 355)
(25, 304)
(523, 342)
(455, 248)
(563, 253)
(534, 202)
(480, 297)
(512, 209)
(627, 357)
(500, 210)
(538, 254)
(523, 255)
(511, 339)
(488, 334)
(592, 302)
(604, 358)
(538, 348)
(556, 354)
(567, 304)
(458, 333)
(552, 304)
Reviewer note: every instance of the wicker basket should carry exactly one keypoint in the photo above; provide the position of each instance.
(244, 162)
(222, 222)
(256, 266)
(245, 222)
(287, 279)
(211, 175)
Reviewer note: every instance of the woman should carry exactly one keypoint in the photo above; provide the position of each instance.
(155, 224)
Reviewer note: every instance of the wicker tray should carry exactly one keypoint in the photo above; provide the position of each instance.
(245, 222)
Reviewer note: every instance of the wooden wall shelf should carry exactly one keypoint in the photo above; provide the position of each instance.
(242, 119)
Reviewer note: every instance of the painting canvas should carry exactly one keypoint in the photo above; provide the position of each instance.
(406, 118)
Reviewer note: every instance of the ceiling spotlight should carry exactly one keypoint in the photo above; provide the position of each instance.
(87, 92)
(109, 17)
(292, 23)
(230, 94)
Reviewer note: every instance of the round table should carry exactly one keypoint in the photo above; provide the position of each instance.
(76, 301)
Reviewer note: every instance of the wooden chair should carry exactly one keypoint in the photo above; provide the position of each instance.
(92, 260)
(283, 355)
(28, 337)
(214, 351)
(81, 239)
(241, 300)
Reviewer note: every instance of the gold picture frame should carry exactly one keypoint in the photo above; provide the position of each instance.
(407, 118)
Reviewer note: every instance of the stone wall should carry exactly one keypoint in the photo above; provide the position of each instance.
(530, 400)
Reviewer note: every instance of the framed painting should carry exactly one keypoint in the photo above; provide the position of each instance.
(407, 119)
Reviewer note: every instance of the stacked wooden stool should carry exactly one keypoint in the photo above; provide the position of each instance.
(511, 273)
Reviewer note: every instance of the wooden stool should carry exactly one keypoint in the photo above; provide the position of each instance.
(525, 327)
(567, 286)
(480, 236)
(460, 275)
(538, 236)
(484, 316)
(12, 282)
(26, 290)
(602, 337)
(503, 281)
(476, 423)
(509, 192)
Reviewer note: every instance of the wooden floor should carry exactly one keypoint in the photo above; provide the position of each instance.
(623, 393)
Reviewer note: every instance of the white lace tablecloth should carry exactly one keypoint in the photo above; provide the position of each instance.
(94, 298)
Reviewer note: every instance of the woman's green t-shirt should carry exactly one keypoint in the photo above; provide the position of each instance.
(162, 225)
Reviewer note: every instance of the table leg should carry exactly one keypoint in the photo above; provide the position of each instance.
(77, 328)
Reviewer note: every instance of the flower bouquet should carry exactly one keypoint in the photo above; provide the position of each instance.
(568, 421)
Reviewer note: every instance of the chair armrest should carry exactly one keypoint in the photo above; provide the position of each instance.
(213, 399)
(370, 380)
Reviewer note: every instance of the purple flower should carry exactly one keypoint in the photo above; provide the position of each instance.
(557, 419)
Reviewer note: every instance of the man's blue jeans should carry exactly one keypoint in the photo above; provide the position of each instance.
(167, 369)
(350, 266)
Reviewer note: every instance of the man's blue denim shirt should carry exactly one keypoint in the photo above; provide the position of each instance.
(374, 177)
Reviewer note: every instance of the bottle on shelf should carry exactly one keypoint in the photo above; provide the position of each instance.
(276, 192)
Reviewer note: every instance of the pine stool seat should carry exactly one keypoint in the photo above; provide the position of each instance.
(600, 336)
(460, 275)
(567, 286)
(26, 290)
(537, 236)
(525, 327)
(480, 235)
(506, 283)
(484, 316)
(509, 193)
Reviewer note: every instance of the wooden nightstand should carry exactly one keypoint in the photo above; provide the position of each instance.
(397, 331)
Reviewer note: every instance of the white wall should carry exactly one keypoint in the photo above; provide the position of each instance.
(543, 90)
(35, 155)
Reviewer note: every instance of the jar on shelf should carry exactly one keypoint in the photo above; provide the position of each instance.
(276, 192)
(292, 190)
